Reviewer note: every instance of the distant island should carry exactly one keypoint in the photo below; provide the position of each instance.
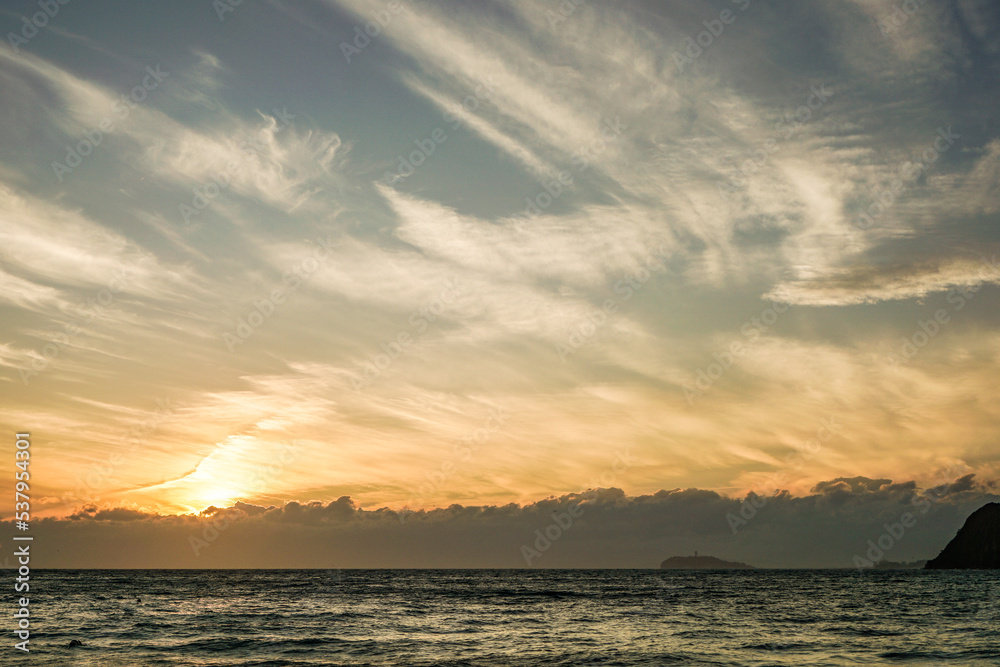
(702, 563)
(977, 544)
(894, 565)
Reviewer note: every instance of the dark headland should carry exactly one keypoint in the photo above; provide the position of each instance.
(977, 544)
(702, 563)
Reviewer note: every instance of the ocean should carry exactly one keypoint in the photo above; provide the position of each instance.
(512, 617)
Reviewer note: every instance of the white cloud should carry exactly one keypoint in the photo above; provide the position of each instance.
(868, 284)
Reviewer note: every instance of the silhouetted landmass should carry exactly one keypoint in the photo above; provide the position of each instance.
(895, 565)
(977, 544)
(702, 563)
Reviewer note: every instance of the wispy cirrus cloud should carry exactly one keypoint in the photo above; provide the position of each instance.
(581, 168)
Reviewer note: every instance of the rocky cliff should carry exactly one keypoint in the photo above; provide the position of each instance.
(977, 544)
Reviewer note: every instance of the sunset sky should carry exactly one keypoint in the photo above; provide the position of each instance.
(492, 252)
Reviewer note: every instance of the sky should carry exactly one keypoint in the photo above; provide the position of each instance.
(346, 283)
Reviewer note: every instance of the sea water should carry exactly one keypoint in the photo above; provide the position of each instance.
(512, 617)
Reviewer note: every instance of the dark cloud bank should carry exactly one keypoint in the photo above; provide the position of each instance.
(600, 528)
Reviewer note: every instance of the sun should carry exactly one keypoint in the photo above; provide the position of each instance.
(220, 494)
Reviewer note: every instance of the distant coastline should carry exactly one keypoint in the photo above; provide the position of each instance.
(894, 565)
(702, 563)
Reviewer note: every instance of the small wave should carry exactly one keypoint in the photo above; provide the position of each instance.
(866, 632)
